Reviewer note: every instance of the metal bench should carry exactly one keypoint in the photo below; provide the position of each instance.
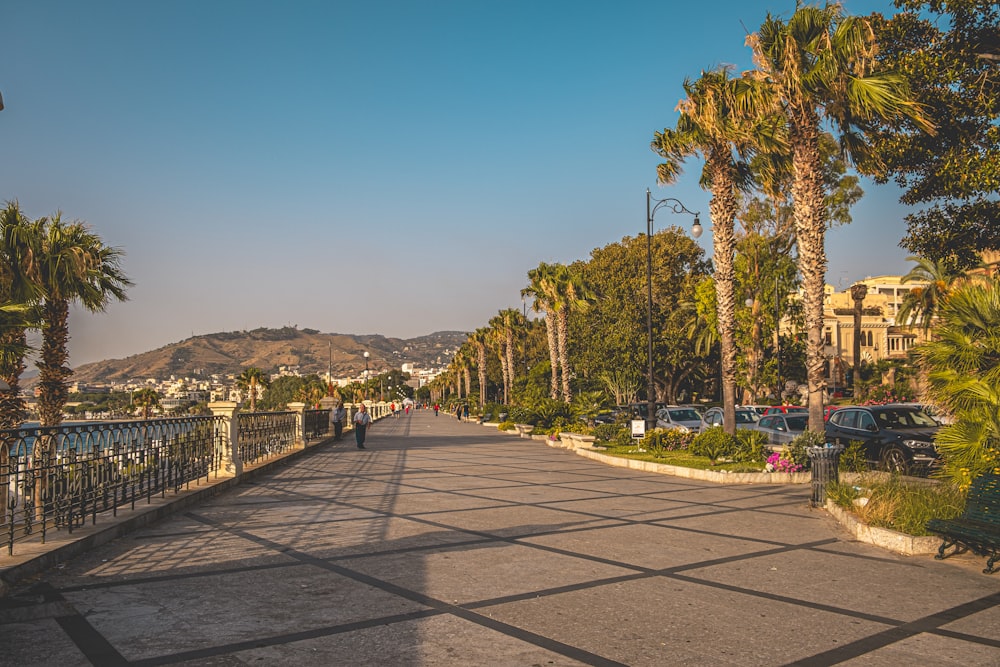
(978, 528)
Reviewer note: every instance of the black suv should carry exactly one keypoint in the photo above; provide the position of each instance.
(895, 437)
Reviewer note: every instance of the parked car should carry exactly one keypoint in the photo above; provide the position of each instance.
(745, 418)
(759, 409)
(785, 409)
(829, 410)
(896, 437)
(680, 418)
(781, 429)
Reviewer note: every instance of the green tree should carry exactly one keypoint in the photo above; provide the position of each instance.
(948, 51)
(147, 399)
(921, 304)
(818, 66)
(69, 264)
(542, 288)
(251, 382)
(17, 295)
(714, 124)
(963, 371)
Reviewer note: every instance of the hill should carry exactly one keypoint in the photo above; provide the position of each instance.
(268, 349)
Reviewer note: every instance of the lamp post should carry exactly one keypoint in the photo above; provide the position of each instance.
(366, 375)
(651, 208)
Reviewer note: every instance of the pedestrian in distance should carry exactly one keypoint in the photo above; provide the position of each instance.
(362, 420)
(465, 412)
(339, 415)
(436, 409)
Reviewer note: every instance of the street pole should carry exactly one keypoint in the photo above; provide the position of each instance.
(677, 207)
(366, 376)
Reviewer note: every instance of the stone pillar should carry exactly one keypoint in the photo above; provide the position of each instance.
(231, 462)
(329, 403)
(300, 422)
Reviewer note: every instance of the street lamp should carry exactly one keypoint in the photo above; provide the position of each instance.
(366, 375)
(677, 207)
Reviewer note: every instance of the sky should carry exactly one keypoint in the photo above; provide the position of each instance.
(388, 167)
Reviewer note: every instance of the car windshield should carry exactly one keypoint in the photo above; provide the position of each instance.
(746, 417)
(796, 409)
(903, 418)
(684, 415)
(797, 422)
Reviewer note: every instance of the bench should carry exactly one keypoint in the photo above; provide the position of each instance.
(978, 528)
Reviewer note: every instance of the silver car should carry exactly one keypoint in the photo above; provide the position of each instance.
(676, 417)
(745, 418)
(781, 429)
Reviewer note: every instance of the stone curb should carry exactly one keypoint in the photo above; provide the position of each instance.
(901, 543)
(62, 546)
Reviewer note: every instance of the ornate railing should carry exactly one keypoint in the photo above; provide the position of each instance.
(317, 423)
(264, 434)
(57, 478)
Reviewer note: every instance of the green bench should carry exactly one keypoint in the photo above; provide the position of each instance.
(979, 526)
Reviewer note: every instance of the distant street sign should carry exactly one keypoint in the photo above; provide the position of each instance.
(639, 428)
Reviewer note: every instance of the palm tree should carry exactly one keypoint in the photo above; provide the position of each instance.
(250, 381)
(541, 287)
(921, 304)
(68, 264)
(479, 339)
(820, 64)
(147, 399)
(962, 371)
(17, 294)
(570, 294)
(713, 123)
(497, 341)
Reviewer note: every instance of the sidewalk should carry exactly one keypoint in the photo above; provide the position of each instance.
(451, 543)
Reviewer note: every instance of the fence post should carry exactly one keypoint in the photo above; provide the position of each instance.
(300, 422)
(231, 461)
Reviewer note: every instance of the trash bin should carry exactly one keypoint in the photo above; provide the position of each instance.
(824, 462)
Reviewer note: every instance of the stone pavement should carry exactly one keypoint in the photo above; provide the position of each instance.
(451, 543)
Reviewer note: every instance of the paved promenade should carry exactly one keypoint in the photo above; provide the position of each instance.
(448, 543)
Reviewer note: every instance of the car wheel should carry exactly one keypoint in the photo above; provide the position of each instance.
(894, 460)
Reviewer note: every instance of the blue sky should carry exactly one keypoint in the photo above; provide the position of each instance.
(370, 166)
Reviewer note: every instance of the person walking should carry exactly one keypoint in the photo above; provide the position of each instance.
(436, 408)
(362, 420)
(339, 415)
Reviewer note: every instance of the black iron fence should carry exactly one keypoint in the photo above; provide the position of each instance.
(58, 477)
(264, 434)
(317, 423)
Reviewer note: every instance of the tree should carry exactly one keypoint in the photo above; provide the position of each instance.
(572, 294)
(68, 264)
(17, 295)
(947, 50)
(713, 123)
(250, 382)
(147, 399)
(921, 304)
(964, 377)
(542, 288)
(479, 340)
(821, 65)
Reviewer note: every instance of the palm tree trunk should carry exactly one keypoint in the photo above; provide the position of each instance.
(481, 361)
(723, 211)
(510, 361)
(562, 339)
(550, 332)
(810, 229)
(52, 368)
(12, 410)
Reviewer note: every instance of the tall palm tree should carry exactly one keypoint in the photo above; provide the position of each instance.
(251, 380)
(17, 295)
(69, 264)
(498, 343)
(542, 289)
(713, 123)
(820, 64)
(480, 341)
(509, 321)
(571, 294)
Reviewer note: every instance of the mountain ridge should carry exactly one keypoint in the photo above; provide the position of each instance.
(308, 350)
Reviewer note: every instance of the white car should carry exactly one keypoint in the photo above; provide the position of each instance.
(681, 419)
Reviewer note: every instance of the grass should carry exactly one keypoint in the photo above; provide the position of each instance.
(892, 502)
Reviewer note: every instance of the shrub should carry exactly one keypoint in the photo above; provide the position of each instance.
(666, 440)
(607, 432)
(750, 446)
(853, 458)
(519, 414)
(506, 426)
(714, 443)
(797, 448)
(623, 438)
